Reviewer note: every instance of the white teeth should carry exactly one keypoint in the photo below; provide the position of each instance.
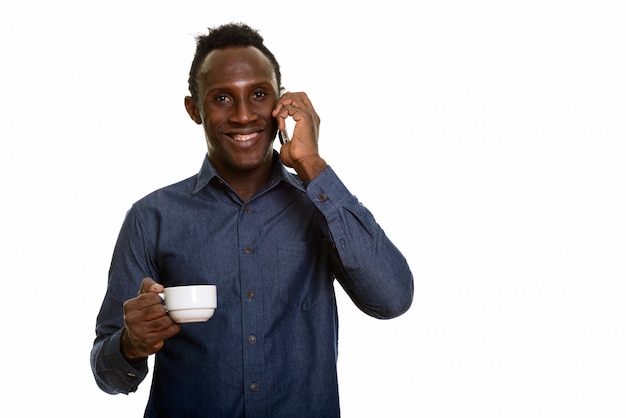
(244, 137)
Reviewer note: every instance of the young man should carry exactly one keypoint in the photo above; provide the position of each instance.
(272, 241)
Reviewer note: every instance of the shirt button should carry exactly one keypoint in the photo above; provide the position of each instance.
(246, 209)
(252, 339)
(130, 374)
(254, 387)
(322, 197)
(248, 250)
(250, 294)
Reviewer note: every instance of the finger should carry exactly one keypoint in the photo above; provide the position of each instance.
(281, 112)
(280, 121)
(296, 105)
(153, 342)
(287, 100)
(297, 99)
(304, 101)
(171, 330)
(278, 109)
(144, 344)
(143, 308)
(148, 285)
(156, 330)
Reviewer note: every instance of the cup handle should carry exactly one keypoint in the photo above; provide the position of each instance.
(163, 298)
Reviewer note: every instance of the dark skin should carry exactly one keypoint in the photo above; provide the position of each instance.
(240, 110)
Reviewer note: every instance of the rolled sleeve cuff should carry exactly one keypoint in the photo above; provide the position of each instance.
(328, 192)
(120, 376)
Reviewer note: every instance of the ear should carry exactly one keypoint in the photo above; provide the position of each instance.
(192, 110)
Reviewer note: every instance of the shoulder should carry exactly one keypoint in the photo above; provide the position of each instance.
(168, 194)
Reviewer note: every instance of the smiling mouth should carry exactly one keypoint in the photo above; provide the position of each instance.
(245, 137)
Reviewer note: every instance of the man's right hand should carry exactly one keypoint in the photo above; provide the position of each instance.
(147, 325)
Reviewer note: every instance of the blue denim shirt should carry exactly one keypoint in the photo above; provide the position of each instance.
(270, 350)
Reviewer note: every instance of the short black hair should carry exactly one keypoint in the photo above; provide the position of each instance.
(223, 36)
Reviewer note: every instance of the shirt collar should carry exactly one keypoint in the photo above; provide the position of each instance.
(279, 173)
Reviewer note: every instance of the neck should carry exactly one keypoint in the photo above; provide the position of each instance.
(247, 183)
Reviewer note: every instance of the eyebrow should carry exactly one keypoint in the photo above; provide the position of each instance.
(249, 86)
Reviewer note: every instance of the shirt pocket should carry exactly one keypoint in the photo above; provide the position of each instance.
(303, 281)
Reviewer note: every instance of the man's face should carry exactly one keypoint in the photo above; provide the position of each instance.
(238, 91)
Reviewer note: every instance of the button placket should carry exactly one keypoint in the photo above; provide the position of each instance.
(251, 322)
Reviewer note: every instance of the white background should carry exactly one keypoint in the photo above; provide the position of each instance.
(487, 137)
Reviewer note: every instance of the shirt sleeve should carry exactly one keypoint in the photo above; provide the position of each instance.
(372, 271)
(130, 264)
(113, 373)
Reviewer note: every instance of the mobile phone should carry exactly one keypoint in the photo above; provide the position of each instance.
(283, 136)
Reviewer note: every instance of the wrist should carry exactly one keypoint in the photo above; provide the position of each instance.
(309, 167)
(127, 349)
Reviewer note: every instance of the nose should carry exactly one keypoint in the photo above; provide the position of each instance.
(244, 113)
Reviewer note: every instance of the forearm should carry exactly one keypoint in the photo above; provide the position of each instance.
(111, 369)
(368, 265)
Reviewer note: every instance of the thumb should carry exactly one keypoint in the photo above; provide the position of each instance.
(148, 285)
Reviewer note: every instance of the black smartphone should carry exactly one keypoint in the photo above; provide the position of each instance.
(283, 136)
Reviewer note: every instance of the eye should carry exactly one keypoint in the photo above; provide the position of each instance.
(259, 94)
(222, 98)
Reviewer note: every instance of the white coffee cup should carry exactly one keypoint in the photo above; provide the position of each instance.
(190, 303)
